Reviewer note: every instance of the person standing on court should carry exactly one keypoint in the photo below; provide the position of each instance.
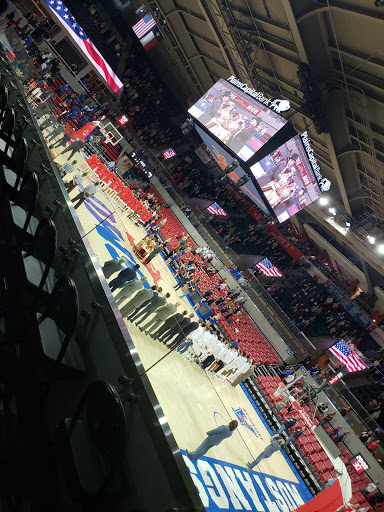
(74, 148)
(56, 132)
(186, 331)
(62, 142)
(276, 443)
(66, 168)
(169, 326)
(129, 289)
(140, 315)
(161, 314)
(215, 437)
(110, 267)
(123, 277)
(152, 254)
(76, 180)
(88, 192)
(138, 299)
(47, 123)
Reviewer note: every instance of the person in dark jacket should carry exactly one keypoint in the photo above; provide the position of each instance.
(291, 422)
(169, 324)
(295, 435)
(215, 437)
(184, 335)
(110, 267)
(63, 141)
(243, 135)
(341, 437)
(178, 329)
(213, 109)
(125, 275)
(152, 254)
(140, 315)
(74, 148)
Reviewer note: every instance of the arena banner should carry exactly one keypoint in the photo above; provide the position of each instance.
(285, 244)
(255, 214)
(328, 500)
(83, 132)
(228, 487)
(378, 335)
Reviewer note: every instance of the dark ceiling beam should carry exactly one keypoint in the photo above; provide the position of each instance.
(202, 54)
(261, 19)
(198, 36)
(345, 9)
(329, 137)
(363, 58)
(203, 58)
(363, 82)
(275, 41)
(183, 11)
(350, 151)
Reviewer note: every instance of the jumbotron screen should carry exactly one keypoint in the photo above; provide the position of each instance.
(240, 122)
(224, 159)
(286, 179)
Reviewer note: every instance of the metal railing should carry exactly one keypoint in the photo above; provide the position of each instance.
(358, 408)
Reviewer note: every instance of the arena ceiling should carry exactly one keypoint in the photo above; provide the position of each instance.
(263, 43)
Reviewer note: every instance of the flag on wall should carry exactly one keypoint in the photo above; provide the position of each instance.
(268, 269)
(150, 40)
(169, 153)
(349, 359)
(215, 209)
(84, 43)
(144, 26)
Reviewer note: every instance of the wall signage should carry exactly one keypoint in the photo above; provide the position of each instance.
(324, 184)
(276, 105)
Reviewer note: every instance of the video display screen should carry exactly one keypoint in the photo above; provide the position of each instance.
(224, 159)
(286, 179)
(240, 122)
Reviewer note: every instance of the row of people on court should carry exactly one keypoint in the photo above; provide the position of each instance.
(193, 338)
(180, 331)
(216, 355)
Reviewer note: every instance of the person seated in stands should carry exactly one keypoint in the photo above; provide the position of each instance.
(334, 432)
(340, 438)
(373, 445)
(314, 370)
(327, 418)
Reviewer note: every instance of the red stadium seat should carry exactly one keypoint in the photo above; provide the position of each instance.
(320, 467)
(313, 458)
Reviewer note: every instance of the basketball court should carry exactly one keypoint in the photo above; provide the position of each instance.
(194, 402)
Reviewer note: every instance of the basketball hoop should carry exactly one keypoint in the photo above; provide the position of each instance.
(112, 136)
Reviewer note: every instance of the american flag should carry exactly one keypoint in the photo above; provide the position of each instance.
(268, 269)
(168, 153)
(85, 44)
(215, 209)
(349, 359)
(144, 26)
